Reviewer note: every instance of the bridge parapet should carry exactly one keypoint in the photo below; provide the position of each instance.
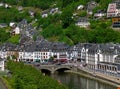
(53, 68)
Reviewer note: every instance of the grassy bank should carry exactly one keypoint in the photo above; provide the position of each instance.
(27, 77)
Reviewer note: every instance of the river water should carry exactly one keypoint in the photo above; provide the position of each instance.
(74, 81)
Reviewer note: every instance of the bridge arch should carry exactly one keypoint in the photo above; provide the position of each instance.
(62, 68)
(46, 70)
(53, 68)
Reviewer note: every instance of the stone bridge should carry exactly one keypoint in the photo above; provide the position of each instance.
(54, 68)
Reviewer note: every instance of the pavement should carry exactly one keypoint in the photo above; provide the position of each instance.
(112, 80)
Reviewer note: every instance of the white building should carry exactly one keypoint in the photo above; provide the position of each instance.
(12, 24)
(111, 11)
(26, 56)
(2, 68)
(82, 22)
(3, 54)
(17, 30)
(80, 7)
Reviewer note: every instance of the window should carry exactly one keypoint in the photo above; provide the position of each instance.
(55, 56)
(98, 57)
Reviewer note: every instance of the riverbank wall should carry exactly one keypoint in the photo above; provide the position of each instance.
(107, 79)
(3, 82)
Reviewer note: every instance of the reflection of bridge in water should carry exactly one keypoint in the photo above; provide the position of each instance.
(54, 68)
(74, 67)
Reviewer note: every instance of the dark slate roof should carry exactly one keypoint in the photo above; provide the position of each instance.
(57, 47)
(77, 47)
(45, 12)
(25, 39)
(43, 45)
(91, 5)
(87, 45)
(3, 25)
(93, 49)
(22, 24)
(1, 59)
(107, 48)
(101, 11)
(8, 47)
(30, 47)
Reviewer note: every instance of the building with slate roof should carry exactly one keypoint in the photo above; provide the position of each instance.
(59, 51)
(94, 55)
(82, 22)
(90, 6)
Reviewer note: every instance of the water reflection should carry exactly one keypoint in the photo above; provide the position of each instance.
(74, 81)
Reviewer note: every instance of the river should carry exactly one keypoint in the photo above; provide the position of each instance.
(74, 81)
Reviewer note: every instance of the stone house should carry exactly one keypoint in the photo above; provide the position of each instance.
(100, 13)
(3, 25)
(59, 51)
(82, 22)
(111, 11)
(90, 6)
(44, 14)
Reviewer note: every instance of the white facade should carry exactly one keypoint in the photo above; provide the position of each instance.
(44, 15)
(34, 56)
(2, 68)
(83, 24)
(80, 7)
(99, 14)
(26, 56)
(1, 4)
(59, 55)
(12, 24)
(17, 30)
(108, 58)
(45, 55)
(3, 54)
(6, 5)
(111, 11)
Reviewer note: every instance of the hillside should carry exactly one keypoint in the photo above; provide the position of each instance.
(56, 20)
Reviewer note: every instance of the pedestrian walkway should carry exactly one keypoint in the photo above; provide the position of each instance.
(113, 79)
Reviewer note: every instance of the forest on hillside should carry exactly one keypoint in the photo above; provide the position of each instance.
(61, 27)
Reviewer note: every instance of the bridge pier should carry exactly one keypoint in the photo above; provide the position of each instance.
(52, 72)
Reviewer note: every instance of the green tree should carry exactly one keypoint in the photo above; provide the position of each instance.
(66, 16)
(27, 77)
(4, 36)
(52, 30)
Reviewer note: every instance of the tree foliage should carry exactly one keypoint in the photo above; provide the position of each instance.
(27, 77)
(59, 27)
(52, 30)
(66, 16)
(14, 39)
(11, 15)
(43, 4)
(4, 36)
